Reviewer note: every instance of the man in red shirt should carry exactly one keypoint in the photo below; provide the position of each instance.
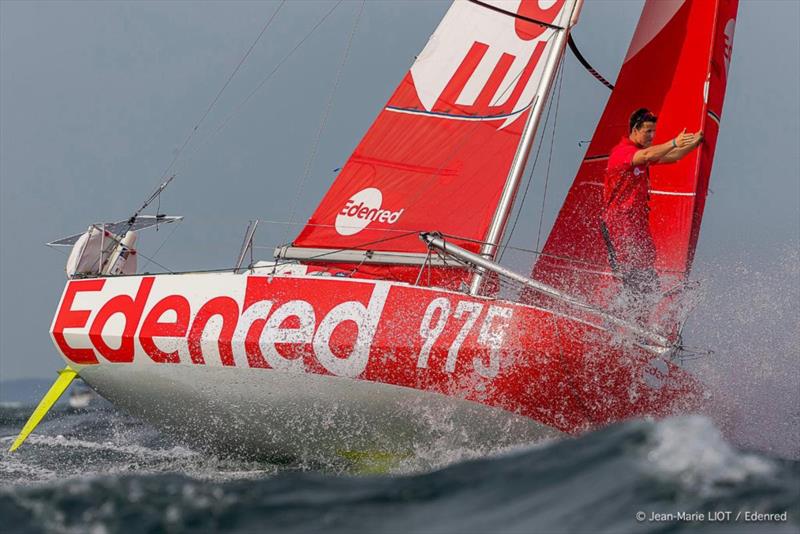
(626, 225)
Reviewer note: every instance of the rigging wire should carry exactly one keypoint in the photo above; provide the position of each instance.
(366, 244)
(156, 194)
(165, 177)
(574, 48)
(150, 259)
(540, 253)
(269, 76)
(516, 15)
(408, 232)
(550, 156)
(530, 178)
(164, 242)
(325, 115)
(222, 90)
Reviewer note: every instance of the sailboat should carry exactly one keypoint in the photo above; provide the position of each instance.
(388, 323)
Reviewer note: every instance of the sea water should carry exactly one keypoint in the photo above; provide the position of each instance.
(98, 470)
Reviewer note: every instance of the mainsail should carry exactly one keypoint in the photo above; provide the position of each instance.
(441, 153)
(676, 66)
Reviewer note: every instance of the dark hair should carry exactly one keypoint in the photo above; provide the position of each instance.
(639, 117)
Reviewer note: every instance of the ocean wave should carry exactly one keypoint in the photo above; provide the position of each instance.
(691, 451)
(599, 481)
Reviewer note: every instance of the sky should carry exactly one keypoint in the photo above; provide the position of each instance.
(96, 98)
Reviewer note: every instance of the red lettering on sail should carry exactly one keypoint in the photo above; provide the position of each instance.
(511, 103)
(451, 92)
(494, 98)
(493, 84)
(531, 9)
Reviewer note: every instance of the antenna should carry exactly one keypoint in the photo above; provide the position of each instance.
(150, 200)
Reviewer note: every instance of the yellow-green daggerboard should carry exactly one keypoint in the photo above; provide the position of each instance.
(65, 378)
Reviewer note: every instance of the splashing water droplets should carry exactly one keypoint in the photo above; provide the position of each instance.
(692, 452)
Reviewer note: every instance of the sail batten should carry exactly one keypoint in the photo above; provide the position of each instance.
(440, 153)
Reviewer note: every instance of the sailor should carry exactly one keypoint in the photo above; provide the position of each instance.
(625, 221)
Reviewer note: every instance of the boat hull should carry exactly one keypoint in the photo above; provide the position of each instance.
(313, 367)
(308, 419)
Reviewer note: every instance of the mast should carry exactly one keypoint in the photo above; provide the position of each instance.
(498, 224)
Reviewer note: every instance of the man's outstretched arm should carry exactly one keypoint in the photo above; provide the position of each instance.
(677, 154)
(655, 154)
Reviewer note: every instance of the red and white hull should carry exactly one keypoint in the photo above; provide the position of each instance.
(317, 367)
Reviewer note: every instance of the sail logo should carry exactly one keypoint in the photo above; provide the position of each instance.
(730, 27)
(133, 322)
(490, 72)
(363, 208)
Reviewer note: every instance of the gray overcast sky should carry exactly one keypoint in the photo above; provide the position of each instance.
(96, 97)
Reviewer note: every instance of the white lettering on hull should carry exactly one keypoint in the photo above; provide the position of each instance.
(491, 335)
(366, 319)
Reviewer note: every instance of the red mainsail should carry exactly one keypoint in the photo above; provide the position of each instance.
(438, 155)
(676, 66)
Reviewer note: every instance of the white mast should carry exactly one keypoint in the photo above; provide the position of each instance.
(498, 225)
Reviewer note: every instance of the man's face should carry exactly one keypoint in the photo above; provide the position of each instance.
(643, 135)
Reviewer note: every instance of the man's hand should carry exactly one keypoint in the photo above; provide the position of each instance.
(684, 139)
(671, 151)
(698, 138)
(684, 143)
